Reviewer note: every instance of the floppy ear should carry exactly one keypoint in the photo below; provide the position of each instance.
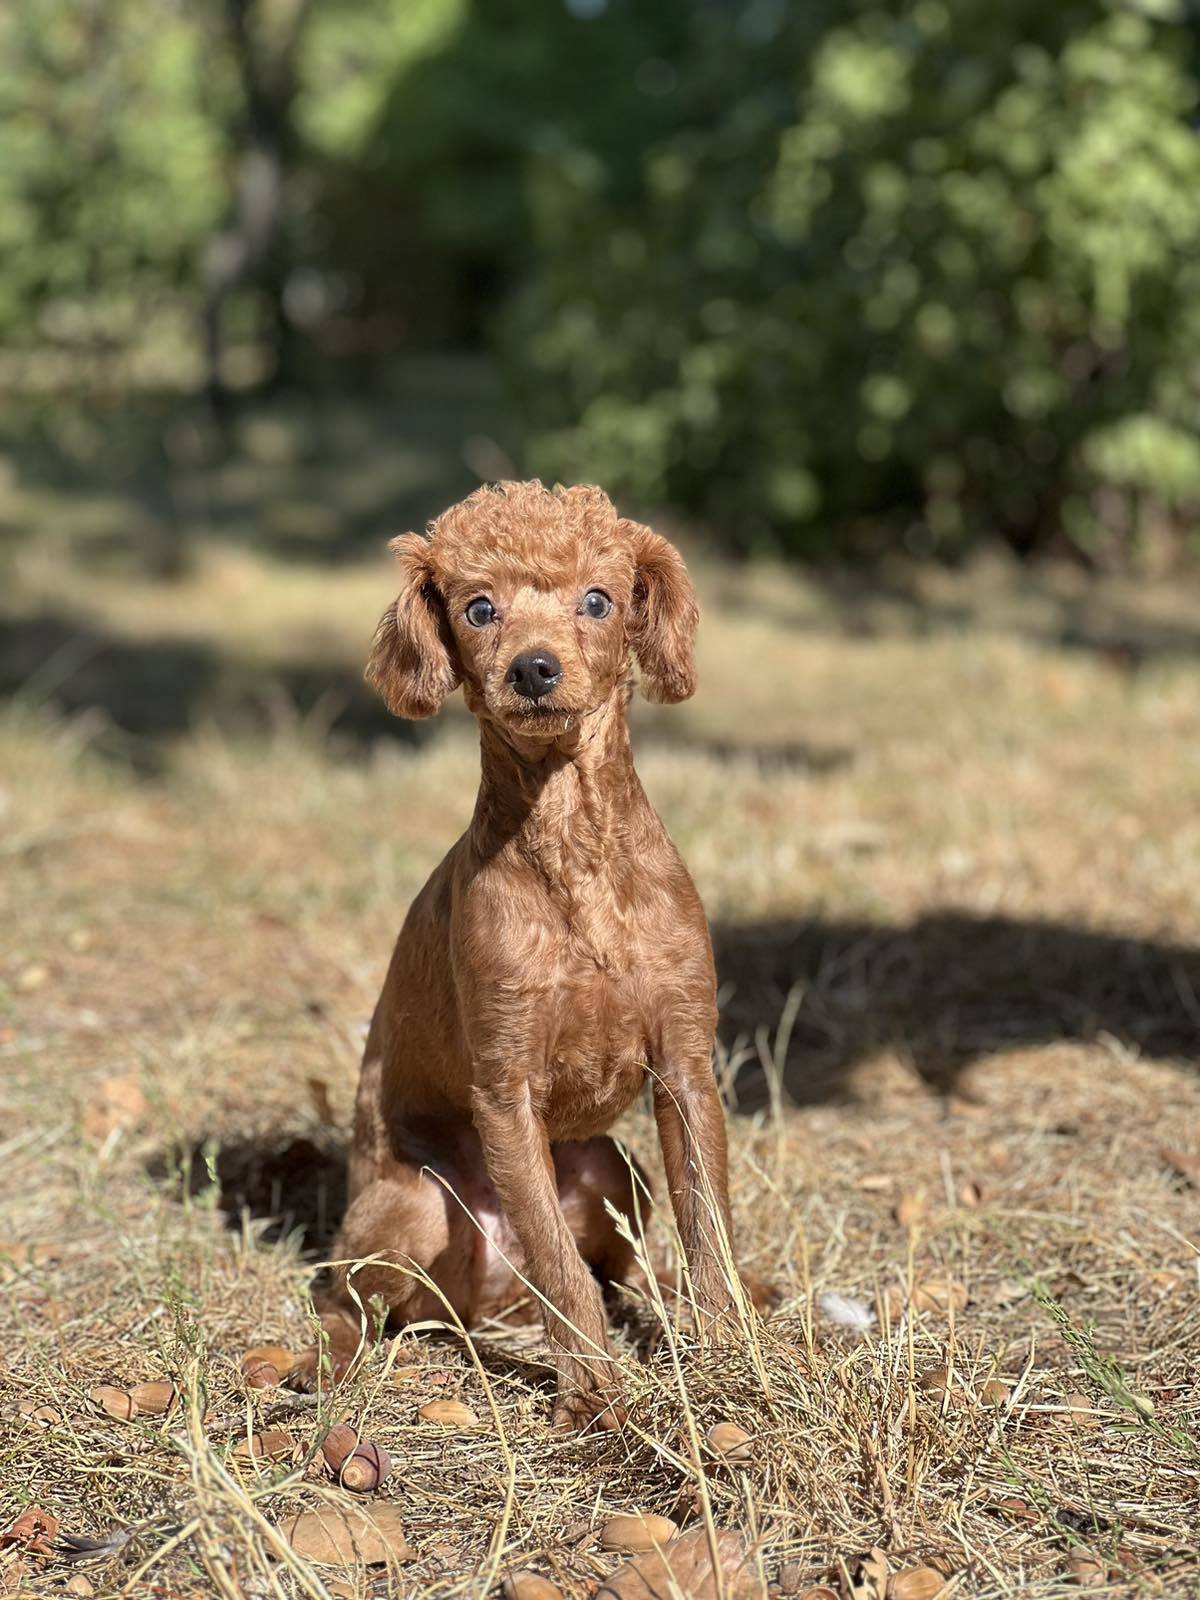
(413, 662)
(663, 617)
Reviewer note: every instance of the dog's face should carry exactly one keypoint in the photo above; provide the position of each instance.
(533, 599)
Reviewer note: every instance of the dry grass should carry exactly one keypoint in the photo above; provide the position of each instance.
(961, 870)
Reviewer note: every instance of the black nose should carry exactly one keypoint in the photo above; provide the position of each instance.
(534, 674)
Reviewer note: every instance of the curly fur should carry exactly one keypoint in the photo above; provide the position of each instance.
(557, 957)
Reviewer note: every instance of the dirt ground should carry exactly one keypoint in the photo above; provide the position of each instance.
(949, 840)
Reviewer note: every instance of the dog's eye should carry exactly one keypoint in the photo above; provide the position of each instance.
(480, 612)
(596, 604)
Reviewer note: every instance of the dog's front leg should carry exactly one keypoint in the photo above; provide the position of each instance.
(516, 1151)
(691, 1130)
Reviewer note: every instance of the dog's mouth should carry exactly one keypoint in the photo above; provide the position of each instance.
(538, 719)
(542, 716)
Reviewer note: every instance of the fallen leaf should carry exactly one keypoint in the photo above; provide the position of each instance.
(685, 1567)
(868, 1578)
(34, 1533)
(970, 1194)
(939, 1294)
(348, 1536)
(32, 977)
(994, 1393)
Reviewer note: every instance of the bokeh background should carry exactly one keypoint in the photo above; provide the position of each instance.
(889, 312)
(841, 279)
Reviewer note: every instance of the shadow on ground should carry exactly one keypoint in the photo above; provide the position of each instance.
(293, 1185)
(152, 689)
(944, 992)
(158, 688)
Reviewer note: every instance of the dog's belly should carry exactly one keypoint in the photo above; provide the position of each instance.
(497, 1259)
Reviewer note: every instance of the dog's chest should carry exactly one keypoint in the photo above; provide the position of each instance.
(596, 1056)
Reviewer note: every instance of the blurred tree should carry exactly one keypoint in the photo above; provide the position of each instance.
(264, 40)
(424, 194)
(111, 165)
(827, 275)
(901, 268)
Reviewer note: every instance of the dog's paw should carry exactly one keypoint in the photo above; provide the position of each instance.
(764, 1296)
(320, 1369)
(576, 1410)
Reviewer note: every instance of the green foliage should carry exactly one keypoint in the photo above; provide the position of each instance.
(425, 194)
(110, 164)
(827, 275)
(927, 271)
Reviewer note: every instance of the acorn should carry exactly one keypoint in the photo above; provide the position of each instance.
(917, 1583)
(1085, 1571)
(338, 1446)
(637, 1532)
(266, 1366)
(730, 1441)
(449, 1413)
(529, 1586)
(366, 1469)
(273, 1444)
(1081, 1412)
(153, 1398)
(37, 1416)
(118, 1403)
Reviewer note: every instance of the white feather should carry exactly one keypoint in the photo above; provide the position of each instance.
(847, 1312)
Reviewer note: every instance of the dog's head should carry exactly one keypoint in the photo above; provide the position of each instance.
(533, 599)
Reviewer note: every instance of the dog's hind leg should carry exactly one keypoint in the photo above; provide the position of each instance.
(399, 1230)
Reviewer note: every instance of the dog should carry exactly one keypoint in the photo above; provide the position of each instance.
(556, 959)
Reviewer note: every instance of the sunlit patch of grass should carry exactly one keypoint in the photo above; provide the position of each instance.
(213, 936)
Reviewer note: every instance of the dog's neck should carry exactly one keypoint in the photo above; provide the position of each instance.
(572, 808)
(576, 791)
